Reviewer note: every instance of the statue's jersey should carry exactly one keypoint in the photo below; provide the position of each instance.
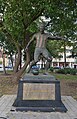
(40, 40)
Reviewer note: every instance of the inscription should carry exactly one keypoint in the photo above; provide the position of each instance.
(38, 91)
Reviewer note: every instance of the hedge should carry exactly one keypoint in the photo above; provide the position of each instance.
(67, 71)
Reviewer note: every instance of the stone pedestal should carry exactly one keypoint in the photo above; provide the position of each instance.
(39, 93)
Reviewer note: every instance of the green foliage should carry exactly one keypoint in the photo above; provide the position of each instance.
(51, 69)
(55, 48)
(20, 19)
(0, 62)
(9, 47)
(67, 71)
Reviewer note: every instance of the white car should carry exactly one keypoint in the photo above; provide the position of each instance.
(1, 67)
(6, 67)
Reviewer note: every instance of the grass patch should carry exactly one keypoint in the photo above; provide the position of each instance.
(64, 77)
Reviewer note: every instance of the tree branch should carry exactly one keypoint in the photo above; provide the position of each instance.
(35, 17)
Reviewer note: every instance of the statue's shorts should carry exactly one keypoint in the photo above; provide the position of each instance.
(44, 52)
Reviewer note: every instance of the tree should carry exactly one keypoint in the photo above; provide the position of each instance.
(14, 27)
(20, 16)
(64, 21)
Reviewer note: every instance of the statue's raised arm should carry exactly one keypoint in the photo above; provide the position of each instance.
(49, 36)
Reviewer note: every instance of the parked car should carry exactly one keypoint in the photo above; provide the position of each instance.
(1, 67)
(6, 67)
(9, 68)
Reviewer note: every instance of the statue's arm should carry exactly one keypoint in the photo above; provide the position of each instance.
(55, 37)
(30, 41)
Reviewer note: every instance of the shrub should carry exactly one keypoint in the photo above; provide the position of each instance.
(51, 69)
(0, 62)
(73, 71)
(67, 71)
(62, 71)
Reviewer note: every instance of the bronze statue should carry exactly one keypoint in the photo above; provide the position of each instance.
(40, 48)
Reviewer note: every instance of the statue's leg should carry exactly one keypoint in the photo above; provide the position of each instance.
(30, 65)
(36, 56)
(48, 57)
(47, 66)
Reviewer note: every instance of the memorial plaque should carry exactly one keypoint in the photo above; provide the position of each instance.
(38, 91)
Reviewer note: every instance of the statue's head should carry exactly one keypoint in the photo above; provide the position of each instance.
(42, 27)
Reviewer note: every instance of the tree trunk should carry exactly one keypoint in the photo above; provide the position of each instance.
(4, 70)
(20, 72)
(17, 60)
(64, 54)
(20, 60)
